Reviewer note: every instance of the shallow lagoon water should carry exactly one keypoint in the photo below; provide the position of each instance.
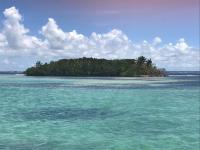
(66, 113)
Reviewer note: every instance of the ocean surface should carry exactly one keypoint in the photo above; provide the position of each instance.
(66, 113)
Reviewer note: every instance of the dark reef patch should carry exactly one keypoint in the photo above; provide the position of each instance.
(28, 145)
(68, 114)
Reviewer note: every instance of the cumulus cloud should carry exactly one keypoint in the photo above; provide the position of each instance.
(16, 44)
(157, 40)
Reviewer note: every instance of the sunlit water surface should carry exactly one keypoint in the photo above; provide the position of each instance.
(52, 113)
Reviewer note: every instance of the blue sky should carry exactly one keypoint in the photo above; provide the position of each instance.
(176, 22)
(139, 20)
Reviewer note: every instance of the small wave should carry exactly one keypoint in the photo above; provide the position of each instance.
(183, 75)
(20, 74)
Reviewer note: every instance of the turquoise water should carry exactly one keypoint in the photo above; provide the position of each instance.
(51, 113)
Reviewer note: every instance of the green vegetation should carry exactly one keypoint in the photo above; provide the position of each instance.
(96, 67)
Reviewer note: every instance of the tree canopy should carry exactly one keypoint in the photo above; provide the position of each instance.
(96, 67)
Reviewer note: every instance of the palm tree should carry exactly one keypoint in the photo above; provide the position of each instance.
(149, 63)
(141, 60)
(38, 64)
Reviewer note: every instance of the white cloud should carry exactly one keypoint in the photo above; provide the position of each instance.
(16, 43)
(54, 36)
(16, 35)
(182, 46)
(157, 40)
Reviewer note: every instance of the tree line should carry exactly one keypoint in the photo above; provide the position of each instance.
(96, 67)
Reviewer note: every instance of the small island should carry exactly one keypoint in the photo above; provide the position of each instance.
(96, 67)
